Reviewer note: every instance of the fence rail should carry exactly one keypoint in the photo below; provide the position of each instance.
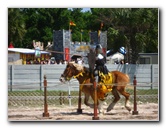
(32, 75)
(33, 96)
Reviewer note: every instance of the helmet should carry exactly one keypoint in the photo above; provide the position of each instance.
(122, 50)
(98, 48)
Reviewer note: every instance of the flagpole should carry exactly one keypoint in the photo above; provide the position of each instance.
(69, 41)
(69, 31)
(90, 36)
(81, 36)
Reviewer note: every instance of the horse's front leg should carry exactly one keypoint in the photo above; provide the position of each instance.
(100, 107)
(99, 104)
(86, 101)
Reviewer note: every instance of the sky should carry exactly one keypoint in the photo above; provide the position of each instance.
(84, 9)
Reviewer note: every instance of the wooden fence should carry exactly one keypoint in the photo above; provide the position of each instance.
(33, 75)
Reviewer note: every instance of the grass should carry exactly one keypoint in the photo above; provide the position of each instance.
(74, 93)
(36, 98)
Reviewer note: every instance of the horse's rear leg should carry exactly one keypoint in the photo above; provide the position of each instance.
(116, 99)
(126, 95)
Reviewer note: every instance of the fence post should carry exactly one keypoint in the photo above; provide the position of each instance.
(79, 110)
(69, 94)
(135, 112)
(45, 114)
(152, 76)
(61, 99)
(91, 62)
(41, 77)
(12, 77)
(95, 117)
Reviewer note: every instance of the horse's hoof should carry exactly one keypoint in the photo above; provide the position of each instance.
(128, 108)
(108, 109)
(101, 113)
(104, 103)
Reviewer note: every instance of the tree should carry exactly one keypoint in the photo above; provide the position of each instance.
(16, 27)
(132, 27)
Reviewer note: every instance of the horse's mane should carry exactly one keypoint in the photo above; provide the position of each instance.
(80, 67)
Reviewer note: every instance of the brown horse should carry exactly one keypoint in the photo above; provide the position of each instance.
(118, 83)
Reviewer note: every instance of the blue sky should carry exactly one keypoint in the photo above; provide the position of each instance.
(84, 9)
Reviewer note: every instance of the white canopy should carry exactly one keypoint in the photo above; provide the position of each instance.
(25, 50)
(116, 57)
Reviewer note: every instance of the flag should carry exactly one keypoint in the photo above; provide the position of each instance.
(72, 24)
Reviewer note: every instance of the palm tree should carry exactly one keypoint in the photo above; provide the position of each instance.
(16, 27)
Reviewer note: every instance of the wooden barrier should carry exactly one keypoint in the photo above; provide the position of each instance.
(45, 114)
(135, 112)
(95, 117)
(61, 98)
(79, 110)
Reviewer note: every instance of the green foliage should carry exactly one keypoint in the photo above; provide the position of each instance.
(134, 28)
(16, 26)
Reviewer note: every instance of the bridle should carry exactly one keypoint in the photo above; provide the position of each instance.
(67, 73)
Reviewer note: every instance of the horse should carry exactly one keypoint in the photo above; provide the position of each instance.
(117, 79)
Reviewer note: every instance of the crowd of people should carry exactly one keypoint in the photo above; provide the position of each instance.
(51, 62)
(98, 50)
(46, 61)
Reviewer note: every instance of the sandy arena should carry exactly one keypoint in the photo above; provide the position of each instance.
(146, 112)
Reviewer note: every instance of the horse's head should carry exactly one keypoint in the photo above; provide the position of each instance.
(71, 70)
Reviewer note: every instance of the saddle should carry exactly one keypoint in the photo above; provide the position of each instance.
(105, 84)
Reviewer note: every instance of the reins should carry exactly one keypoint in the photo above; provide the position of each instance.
(79, 74)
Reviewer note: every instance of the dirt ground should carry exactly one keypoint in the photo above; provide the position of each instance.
(146, 112)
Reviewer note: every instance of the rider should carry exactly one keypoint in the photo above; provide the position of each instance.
(100, 62)
(122, 50)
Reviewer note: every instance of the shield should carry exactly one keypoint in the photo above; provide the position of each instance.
(91, 60)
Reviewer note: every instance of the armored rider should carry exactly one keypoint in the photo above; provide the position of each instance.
(100, 62)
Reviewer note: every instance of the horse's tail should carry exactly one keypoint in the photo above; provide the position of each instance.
(127, 76)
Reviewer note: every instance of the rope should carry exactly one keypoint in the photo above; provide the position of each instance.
(115, 84)
(60, 52)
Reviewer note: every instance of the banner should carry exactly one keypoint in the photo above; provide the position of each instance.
(104, 51)
(67, 52)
